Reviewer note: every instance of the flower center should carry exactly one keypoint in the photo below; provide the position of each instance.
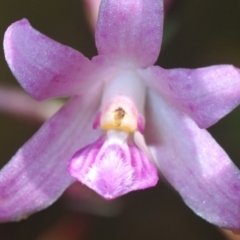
(122, 109)
(119, 114)
(122, 104)
(119, 161)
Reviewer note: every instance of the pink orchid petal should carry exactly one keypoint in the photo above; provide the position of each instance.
(196, 166)
(37, 175)
(112, 169)
(205, 94)
(43, 67)
(130, 30)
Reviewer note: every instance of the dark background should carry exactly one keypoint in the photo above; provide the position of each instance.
(197, 33)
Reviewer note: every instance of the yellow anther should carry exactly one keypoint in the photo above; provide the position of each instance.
(119, 115)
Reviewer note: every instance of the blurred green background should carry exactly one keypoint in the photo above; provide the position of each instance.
(197, 33)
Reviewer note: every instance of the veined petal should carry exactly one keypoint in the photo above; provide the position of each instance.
(196, 166)
(37, 175)
(112, 167)
(205, 94)
(44, 67)
(130, 30)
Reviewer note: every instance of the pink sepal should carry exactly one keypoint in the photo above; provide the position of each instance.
(112, 168)
(130, 30)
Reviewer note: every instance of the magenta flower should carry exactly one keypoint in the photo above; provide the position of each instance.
(124, 116)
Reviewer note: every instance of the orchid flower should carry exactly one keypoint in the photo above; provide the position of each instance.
(125, 119)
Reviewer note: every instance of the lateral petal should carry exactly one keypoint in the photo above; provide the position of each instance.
(42, 66)
(205, 94)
